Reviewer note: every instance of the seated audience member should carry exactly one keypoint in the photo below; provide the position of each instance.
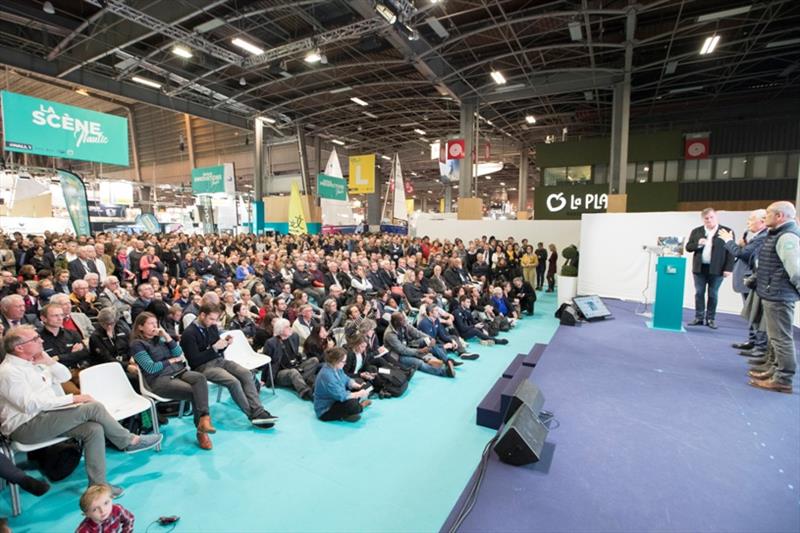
(502, 306)
(468, 328)
(332, 317)
(431, 325)
(28, 399)
(304, 323)
(146, 294)
(81, 299)
(164, 370)
(523, 291)
(205, 352)
(110, 343)
(337, 396)
(14, 474)
(412, 348)
(290, 367)
(12, 313)
(102, 516)
(64, 345)
(113, 295)
(73, 320)
(93, 284)
(242, 321)
(317, 342)
(359, 365)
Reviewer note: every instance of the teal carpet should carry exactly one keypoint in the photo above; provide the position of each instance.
(401, 468)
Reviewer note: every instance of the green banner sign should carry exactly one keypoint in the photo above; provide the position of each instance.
(36, 126)
(569, 202)
(148, 222)
(77, 205)
(331, 187)
(218, 179)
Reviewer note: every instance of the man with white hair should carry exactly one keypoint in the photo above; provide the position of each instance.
(290, 367)
(745, 253)
(12, 313)
(778, 286)
(116, 297)
(82, 300)
(73, 320)
(81, 266)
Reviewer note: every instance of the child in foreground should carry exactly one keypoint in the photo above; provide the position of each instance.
(102, 515)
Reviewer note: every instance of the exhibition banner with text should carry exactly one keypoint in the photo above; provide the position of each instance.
(218, 179)
(362, 174)
(331, 187)
(36, 126)
(569, 202)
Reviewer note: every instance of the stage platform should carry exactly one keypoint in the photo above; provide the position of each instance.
(655, 431)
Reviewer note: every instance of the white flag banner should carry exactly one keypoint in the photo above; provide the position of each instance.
(335, 212)
(399, 210)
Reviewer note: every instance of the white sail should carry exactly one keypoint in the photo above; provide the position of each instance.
(399, 211)
(335, 212)
(333, 168)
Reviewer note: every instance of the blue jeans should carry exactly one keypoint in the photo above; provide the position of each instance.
(712, 282)
(408, 361)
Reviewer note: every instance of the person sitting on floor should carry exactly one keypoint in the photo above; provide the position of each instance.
(468, 328)
(290, 367)
(412, 348)
(431, 325)
(101, 515)
(204, 351)
(29, 405)
(336, 396)
(161, 361)
(523, 292)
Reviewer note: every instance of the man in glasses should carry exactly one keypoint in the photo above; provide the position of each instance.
(32, 410)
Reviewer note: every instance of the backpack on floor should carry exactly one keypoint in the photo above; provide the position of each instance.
(390, 382)
(59, 460)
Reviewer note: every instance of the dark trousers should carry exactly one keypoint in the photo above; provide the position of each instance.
(539, 277)
(475, 332)
(526, 305)
(551, 279)
(705, 282)
(754, 335)
(339, 410)
(190, 385)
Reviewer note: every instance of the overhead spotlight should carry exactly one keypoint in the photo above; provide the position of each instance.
(48, 8)
(313, 56)
(248, 47)
(182, 51)
(498, 77)
(268, 120)
(386, 12)
(709, 45)
(575, 32)
(530, 119)
(242, 82)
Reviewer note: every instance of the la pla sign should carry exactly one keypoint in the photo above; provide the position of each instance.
(569, 202)
(588, 202)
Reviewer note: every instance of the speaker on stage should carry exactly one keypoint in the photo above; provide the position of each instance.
(526, 394)
(522, 438)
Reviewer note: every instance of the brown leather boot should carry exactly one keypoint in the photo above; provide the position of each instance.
(204, 425)
(203, 440)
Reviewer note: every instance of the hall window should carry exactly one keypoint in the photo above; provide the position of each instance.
(772, 166)
(631, 173)
(657, 171)
(643, 172)
(723, 168)
(600, 173)
(739, 166)
(582, 173)
(555, 175)
(671, 171)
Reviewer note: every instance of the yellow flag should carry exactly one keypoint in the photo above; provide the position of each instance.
(297, 222)
(410, 205)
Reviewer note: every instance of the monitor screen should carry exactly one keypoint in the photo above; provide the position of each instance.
(592, 307)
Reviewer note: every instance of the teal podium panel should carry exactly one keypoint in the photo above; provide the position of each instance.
(670, 281)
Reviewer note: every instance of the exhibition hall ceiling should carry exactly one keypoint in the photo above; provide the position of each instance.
(388, 76)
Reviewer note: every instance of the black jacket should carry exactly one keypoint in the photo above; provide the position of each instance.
(721, 258)
(78, 271)
(61, 345)
(285, 353)
(103, 349)
(198, 347)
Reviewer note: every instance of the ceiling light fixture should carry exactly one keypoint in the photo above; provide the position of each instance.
(437, 27)
(313, 56)
(242, 82)
(417, 130)
(248, 47)
(358, 101)
(340, 90)
(685, 89)
(370, 115)
(386, 12)
(725, 13)
(530, 119)
(268, 120)
(671, 67)
(386, 157)
(337, 141)
(182, 51)
(709, 45)
(48, 8)
(145, 81)
(785, 42)
(575, 32)
(498, 77)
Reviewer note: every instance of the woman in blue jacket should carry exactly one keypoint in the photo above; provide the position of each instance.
(336, 396)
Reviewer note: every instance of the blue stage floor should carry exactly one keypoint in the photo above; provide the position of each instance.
(400, 469)
(658, 431)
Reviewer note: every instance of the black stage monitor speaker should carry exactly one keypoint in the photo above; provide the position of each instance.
(522, 438)
(526, 394)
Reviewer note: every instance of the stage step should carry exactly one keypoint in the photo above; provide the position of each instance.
(489, 413)
(534, 355)
(511, 387)
(514, 366)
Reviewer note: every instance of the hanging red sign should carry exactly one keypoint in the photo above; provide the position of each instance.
(455, 149)
(695, 147)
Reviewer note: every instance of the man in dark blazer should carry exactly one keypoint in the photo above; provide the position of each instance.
(78, 268)
(712, 263)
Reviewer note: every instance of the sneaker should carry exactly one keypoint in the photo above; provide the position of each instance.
(469, 356)
(501, 341)
(145, 443)
(487, 342)
(352, 418)
(116, 491)
(456, 363)
(263, 418)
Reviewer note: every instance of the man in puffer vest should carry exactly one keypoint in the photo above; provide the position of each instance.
(778, 286)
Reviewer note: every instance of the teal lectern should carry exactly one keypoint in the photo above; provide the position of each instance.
(668, 307)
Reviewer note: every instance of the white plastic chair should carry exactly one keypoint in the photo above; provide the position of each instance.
(147, 393)
(10, 448)
(108, 384)
(242, 353)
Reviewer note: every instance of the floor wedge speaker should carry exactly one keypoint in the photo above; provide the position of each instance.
(522, 438)
(526, 394)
